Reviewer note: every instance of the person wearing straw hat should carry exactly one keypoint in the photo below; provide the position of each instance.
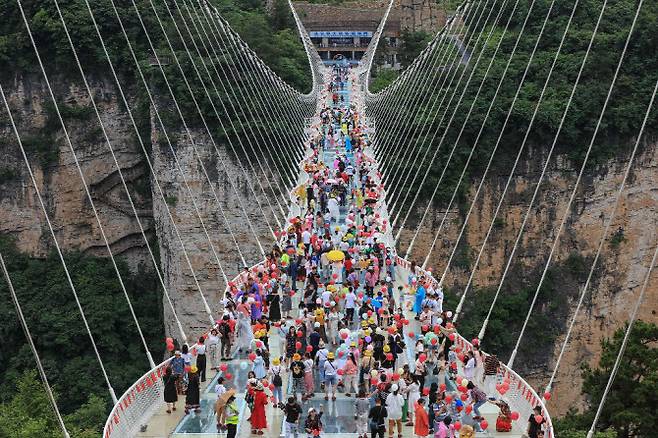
(220, 408)
(192, 395)
(258, 418)
(330, 376)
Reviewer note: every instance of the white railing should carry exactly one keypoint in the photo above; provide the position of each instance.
(138, 404)
(521, 397)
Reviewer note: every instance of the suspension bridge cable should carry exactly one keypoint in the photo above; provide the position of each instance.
(84, 179)
(30, 341)
(116, 163)
(624, 343)
(401, 124)
(175, 156)
(155, 179)
(146, 154)
(477, 139)
(439, 54)
(603, 239)
(398, 130)
(233, 108)
(434, 110)
(198, 108)
(521, 148)
(461, 131)
(282, 172)
(445, 131)
(577, 183)
(418, 97)
(192, 142)
(52, 230)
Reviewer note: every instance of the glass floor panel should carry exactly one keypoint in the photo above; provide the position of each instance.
(204, 422)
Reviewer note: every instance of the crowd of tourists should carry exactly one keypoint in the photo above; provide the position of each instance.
(327, 314)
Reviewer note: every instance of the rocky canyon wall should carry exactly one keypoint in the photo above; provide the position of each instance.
(70, 210)
(621, 269)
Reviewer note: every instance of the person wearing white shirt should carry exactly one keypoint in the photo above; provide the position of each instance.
(350, 304)
(394, 403)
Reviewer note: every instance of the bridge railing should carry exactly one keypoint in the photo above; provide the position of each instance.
(137, 405)
(521, 397)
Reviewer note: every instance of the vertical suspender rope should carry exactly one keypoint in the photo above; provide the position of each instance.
(284, 172)
(188, 133)
(445, 132)
(52, 233)
(83, 178)
(294, 142)
(240, 48)
(461, 131)
(197, 106)
(477, 139)
(576, 184)
(152, 171)
(518, 156)
(445, 56)
(217, 115)
(419, 105)
(624, 343)
(603, 239)
(434, 113)
(30, 341)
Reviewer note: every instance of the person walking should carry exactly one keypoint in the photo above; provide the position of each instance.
(258, 418)
(277, 382)
(232, 415)
(330, 377)
(292, 411)
(297, 373)
(192, 396)
(422, 424)
(361, 408)
(350, 370)
(394, 403)
(170, 389)
(377, 419)
(478, 397)
(201, 358)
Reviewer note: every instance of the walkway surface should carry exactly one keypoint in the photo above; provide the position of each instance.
(338, 418)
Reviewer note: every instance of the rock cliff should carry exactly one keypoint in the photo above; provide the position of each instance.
(70, 210)
(622, 266)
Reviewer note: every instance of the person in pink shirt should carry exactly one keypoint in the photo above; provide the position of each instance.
(350, 370)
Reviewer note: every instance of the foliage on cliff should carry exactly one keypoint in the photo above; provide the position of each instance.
(630, 407)
(27, 413)
(58, 331)
(274, 37)
(621, 121)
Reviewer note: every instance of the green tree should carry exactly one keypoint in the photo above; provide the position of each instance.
(629, 409)
(28, 413)
(413, 42)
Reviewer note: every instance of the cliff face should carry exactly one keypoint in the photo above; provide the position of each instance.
(621, 268)
(70, 210)
(188, 301)
(622, 265)
(57, 176)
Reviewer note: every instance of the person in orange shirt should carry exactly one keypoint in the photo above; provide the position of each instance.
(422, 424)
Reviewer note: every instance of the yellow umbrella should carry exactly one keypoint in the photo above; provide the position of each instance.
(335, 255)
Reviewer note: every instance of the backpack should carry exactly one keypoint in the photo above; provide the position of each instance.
(277, 381)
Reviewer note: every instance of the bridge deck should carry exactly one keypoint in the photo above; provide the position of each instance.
(338, 416)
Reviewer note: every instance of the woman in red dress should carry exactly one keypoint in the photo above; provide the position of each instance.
(258, 419)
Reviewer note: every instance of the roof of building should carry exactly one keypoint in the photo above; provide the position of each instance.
(364, 15)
